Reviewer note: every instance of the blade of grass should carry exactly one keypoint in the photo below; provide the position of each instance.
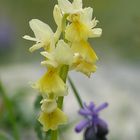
(75, 92)
(9, 107)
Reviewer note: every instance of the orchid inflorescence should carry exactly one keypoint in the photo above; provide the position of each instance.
(64, 50)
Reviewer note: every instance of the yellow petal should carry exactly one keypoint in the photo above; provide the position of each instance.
(52, 120)
(85, 50)
(85, 58)
(81, 65)
(51, 84)
(82, 26)
(86, 68)
(76, 31)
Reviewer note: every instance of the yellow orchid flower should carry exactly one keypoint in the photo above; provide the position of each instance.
(84, 58)
(52, 120)
(51, 84)
(61, 55)
(48, 105)
(82, 26)
(83, 66)
(85, 51)
(44, 36)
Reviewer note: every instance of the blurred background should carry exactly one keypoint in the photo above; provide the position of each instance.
(116, 80)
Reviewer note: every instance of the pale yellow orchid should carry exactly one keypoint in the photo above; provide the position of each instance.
(82, 26)
(72, 52)
(44, 36)
(51, 84)
(52, 120)
(61, 55)
(85, 50)
(83, 66)
(84, 58)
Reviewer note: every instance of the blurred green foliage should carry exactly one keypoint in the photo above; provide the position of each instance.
(14, 122)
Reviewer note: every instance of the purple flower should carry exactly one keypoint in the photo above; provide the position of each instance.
(94, 125)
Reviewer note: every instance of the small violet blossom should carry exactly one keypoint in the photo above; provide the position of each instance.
(94, 126)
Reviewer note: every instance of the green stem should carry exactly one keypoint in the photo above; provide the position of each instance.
(64, 69)
(63, 75)
(54, 135)
(76, 92)
(64, 26)
(9, 107)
